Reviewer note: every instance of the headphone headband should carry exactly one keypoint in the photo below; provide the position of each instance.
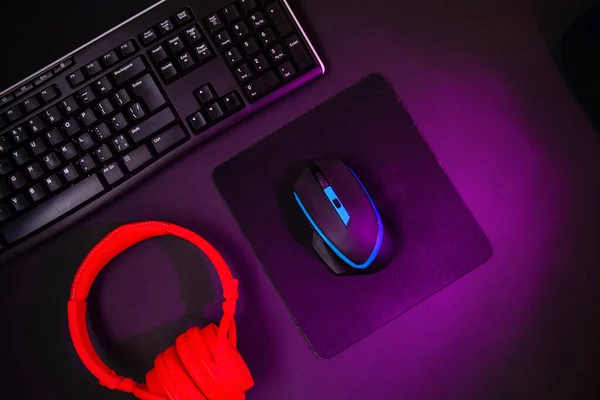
(108, 248)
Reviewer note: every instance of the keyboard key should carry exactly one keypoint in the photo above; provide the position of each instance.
(215, 112)
(165, 27)
(17, 180)
(87, 118)
(258, 20)
(287, 71)
(102, 132)
(18, 134)
(86, 96)
(243, 73)
(121, 98)
(20, 156)
(279, 18)
(70, 127)
(197, 122)
(232, 102)
(69, 173)
(5, 166)
(51, 160)
(299, 53)
(36, 193)
(251, 47)
(13, 114)
(206, 94)
(19, 202)
(37, 146)
(2, 122)
(69, 105)
(52, 115)
(68, 151)
(240, 30)
(151, 125)
(137, 158)
(52, 183)
(168, 71)
(120, 143)
(175, 44)
(34, 171)
(185, 61)
(223, 39)
(102, 85)
(261, 86)
(136, 112)
(118, 122)
(7, 98)
(75, 78)
(36, 124)
(112, 173)
(85, 141)
(52, 209)
(231, 13)
(182, 17)
(103, 153)
(4, 145)
(104, 107)
(93, 68)
(4, 190)
(158, 54)
(267, 37)
(213, 22)
(192, 34)
(54, 137)
(233, 56)
(248, 5)
(109, 58)
(129, 71)
(21, 90)
(31, 104)
(5, 212)
(43, 77)
(86, 163)
(277, 54)
(127, 48)
(49, 94)
(260, 63)
(63, 65)
(146, 88)
(148, 37)
(168, 139)
(204, 53)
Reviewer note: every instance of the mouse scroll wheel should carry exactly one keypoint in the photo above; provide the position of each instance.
(321, 179)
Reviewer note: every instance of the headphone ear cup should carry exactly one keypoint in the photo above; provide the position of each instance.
(170, 377)
(195, 356)
(231, 375)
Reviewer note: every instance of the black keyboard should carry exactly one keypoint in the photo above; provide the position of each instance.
(90, 126)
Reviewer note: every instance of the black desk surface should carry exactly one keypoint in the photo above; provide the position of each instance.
(481, 83)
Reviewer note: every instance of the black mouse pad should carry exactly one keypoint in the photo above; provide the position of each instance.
(367, 127)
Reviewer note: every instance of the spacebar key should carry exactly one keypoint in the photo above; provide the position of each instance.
(52, 209)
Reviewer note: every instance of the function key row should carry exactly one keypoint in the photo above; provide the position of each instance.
(39, 80)
(213, 109)
(181, 53)
(29, 105)
(95, 67)
(163, 28)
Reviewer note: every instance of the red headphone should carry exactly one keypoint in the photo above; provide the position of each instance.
(203, 363)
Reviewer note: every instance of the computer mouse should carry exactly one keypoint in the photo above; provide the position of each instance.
(349, 233)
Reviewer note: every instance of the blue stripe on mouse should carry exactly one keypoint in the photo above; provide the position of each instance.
(349, 234)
